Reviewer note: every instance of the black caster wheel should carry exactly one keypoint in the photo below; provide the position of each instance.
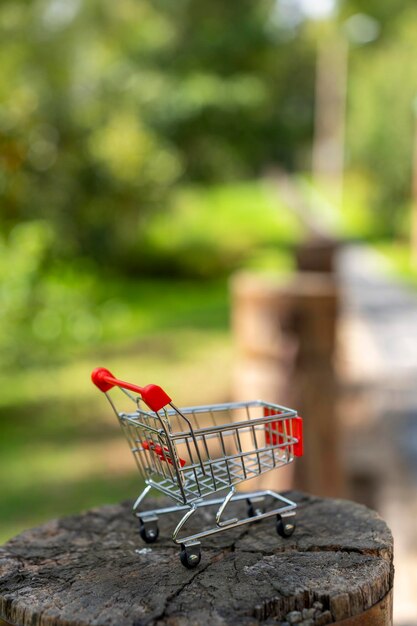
(285, 526)
(149, 531)
(190, 556)
(252, 511)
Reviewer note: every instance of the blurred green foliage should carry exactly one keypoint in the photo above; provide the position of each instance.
(114, 115)
(382, 117)
(75, 149)
(213, 230)
(55, 310)
(382, 114)
(107, 105)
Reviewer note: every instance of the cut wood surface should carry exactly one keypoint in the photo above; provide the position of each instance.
(93, 569)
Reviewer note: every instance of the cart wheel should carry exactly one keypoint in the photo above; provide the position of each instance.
(285, 526)
(190, 556)
(252, 511)
(149, 531)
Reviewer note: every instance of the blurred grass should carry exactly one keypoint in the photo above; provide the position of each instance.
(358, 219)
(210, 231)
(61, 449)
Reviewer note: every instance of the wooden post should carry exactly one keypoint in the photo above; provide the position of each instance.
(316, 320)
(317, 254)
(261, 314)
(316, 303)
(285, 334)
(93, 569)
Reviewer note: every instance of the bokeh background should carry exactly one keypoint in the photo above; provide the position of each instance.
(149, 150)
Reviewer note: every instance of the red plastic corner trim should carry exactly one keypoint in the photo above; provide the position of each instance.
(297, 429)
(276, 430)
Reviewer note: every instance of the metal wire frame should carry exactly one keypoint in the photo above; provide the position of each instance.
(214, 452)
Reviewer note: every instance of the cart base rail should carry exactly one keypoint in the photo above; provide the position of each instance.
(190, 544)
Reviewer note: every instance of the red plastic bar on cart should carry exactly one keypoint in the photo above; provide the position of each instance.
(163, 453)
(152, 395)
(297, 431)
(275, 431)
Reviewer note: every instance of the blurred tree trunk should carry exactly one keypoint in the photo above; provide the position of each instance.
(414, 198)
(330, 106)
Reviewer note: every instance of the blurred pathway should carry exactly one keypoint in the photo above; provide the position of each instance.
(379, 364)
(380, 322)
(388, 309)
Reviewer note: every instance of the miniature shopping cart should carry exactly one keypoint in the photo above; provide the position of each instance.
(192, 453)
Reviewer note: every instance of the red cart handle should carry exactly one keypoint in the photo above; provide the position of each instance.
(152, 395)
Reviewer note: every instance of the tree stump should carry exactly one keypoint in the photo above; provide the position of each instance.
(93, 569)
